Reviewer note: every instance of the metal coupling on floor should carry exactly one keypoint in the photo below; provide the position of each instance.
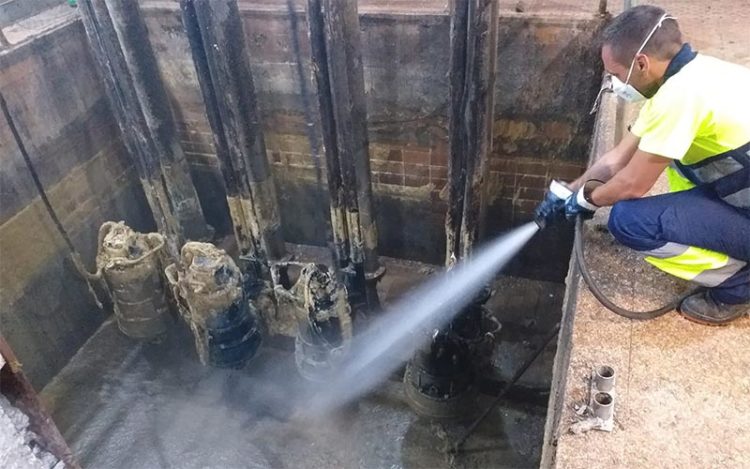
(599, 413)
(602, 397)
(604, 378)
(603, 405)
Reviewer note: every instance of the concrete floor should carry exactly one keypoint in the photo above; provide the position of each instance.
(121, 403)
(682, 388)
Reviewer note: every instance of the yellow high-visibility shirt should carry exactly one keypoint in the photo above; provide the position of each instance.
(701, 111)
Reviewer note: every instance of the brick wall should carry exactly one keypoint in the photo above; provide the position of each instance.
(547, 76)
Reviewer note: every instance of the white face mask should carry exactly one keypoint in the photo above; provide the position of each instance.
(625, 90)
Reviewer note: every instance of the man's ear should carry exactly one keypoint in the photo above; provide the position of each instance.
(642, 62)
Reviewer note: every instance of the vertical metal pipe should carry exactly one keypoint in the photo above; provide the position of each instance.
(15, 386)
(457, 139)
(478, 116)
(140, 60)
(472, 79)
(124, 104)
(348, 91)
(217, 41)
(349, 96)
(344, 137)
(328, 127)
(339, 23)
(245, 243)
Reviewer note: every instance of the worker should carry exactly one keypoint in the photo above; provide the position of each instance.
(695, 124)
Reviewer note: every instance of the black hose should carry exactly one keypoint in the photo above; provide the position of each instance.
(599, 295)
(499, 397)
(34, 176)
(75, 256)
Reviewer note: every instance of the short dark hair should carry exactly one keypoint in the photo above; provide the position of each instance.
(629, 29)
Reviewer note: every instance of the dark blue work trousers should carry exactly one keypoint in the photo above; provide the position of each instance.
(695, 217)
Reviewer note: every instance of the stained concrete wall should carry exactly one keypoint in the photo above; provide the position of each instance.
(16, 10)
(55, 95)
(547, 77)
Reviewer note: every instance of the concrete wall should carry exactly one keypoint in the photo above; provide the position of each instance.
(60, 110)
(547, 76)
(12, 11)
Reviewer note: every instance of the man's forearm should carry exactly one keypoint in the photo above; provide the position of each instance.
(610, 163)
(601, 170)
(613, 191)
(631, 182)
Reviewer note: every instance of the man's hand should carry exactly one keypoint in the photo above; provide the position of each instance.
(552, 207)
(580, 202)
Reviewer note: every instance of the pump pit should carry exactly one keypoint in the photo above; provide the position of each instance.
(121, 402)
(152, 405)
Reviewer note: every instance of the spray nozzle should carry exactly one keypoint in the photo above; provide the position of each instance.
(553, 204)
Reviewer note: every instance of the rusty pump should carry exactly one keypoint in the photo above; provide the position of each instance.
(321, 307)
(440, 380)
(208, 287)
(130, 264)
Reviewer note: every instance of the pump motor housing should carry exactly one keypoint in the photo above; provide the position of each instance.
(131, 264)
(208, 286)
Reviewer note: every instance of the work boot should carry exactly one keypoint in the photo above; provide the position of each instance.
(704, 309)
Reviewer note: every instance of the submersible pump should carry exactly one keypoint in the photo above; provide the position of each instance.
(441, 378)
(130, 264)
(320, 306)
(209, 289)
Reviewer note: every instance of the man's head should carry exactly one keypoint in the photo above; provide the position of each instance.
(623, 46)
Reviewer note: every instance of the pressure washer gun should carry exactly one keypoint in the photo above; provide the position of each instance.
(552, 208)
